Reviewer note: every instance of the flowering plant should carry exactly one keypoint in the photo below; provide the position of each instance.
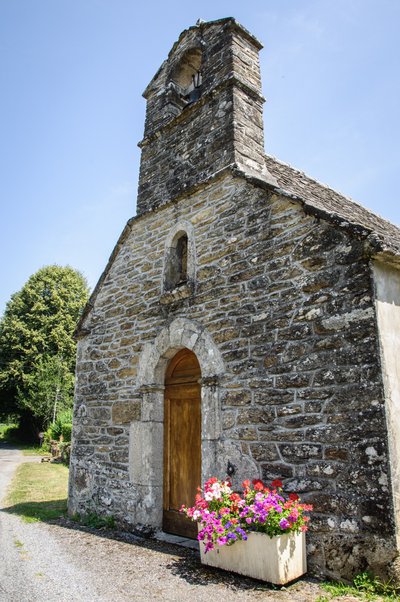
(225, 516)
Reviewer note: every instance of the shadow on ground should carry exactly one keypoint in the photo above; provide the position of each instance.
(184, 562)
(47, 511)
(195, 573)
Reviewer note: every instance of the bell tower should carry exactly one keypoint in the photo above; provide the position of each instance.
(204, 113)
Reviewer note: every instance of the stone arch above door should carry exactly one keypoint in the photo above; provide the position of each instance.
(146, 435)
(179, 334)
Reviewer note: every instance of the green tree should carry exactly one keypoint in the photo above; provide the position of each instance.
(37, 349)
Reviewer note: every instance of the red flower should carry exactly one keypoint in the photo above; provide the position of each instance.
(277, 483)
(293, 497)
(246, 484)
(258, 485)
(234, 497)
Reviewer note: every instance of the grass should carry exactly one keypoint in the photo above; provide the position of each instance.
(94, 521)
(32, 450)
(38, 492)
(365, 587)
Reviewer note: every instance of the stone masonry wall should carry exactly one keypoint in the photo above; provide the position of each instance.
(287, 300)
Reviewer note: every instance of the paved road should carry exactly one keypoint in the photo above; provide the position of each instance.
(59, 562)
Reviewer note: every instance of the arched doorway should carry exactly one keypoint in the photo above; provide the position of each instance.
(182, 441)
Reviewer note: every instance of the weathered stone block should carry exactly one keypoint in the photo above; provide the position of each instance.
(236, 398)
(124, 412)
(255, 416)
(299, 453)
(264, 452)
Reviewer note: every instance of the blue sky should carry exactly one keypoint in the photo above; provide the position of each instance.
(71, 111)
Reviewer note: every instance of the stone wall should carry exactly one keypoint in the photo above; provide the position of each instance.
(287, 303)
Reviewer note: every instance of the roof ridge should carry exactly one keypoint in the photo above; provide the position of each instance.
(329, 188)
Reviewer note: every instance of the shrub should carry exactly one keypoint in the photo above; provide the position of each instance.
(57, 426)
(46, 443)
(8, 432)
(66, 432)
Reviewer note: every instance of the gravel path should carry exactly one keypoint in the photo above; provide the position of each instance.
(61, 562)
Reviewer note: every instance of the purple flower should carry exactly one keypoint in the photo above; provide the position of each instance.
(283, 523)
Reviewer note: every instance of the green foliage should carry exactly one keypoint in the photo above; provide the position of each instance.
(94, 521)
(8, 432)
(365, 587)
(66, 432)
(46, 443)
(32, 450)
(56, 428)
(37, 349)
(48, 389)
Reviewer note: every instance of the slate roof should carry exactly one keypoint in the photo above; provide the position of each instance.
(319, 199)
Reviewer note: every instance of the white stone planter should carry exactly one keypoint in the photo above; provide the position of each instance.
(277, 560)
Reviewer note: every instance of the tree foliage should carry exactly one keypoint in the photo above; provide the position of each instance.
(37, 349)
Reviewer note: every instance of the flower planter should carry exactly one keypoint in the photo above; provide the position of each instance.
(277, 560)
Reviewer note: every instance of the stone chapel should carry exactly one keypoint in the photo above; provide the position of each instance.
(247, 323)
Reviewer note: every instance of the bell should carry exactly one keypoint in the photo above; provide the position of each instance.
(193, 95)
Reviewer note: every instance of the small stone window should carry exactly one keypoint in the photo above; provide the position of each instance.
(182, 258)
(177, 262)
(179, 269)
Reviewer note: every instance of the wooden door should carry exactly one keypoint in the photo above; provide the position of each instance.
(182, 441)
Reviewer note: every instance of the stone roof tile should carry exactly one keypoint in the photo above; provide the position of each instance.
(321, 198)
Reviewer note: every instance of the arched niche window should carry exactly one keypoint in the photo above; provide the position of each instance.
(176, 272)
(179, 258)
(182, 258)
(186, 77)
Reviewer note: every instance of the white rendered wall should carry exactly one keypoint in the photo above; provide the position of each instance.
(387, 298)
